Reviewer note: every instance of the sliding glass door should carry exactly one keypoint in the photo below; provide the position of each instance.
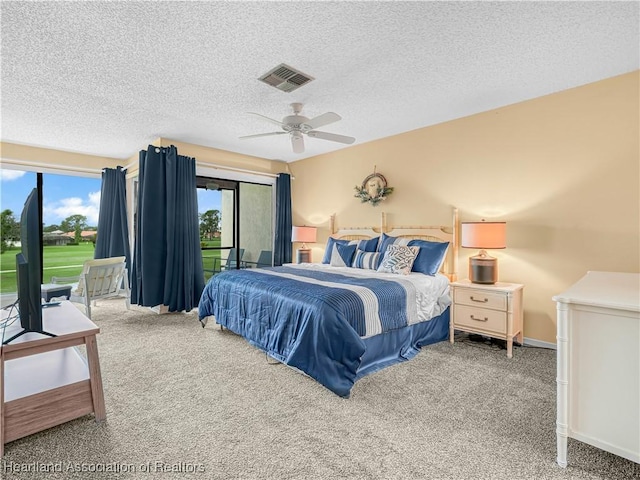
(236, 224)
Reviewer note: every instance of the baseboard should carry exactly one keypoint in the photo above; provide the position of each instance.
(532, 342)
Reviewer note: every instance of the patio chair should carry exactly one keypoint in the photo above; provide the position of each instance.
(102, 278)
(230, 262)
(265, 259)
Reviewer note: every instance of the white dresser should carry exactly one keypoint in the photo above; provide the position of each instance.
(598, 368)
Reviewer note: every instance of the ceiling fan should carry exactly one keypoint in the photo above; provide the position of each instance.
(297, 126)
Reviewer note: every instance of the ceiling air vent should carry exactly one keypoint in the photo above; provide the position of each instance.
(285, 78)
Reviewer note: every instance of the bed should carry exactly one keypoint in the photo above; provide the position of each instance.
(337, 323)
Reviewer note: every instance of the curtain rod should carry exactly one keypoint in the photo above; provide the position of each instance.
(235, 169)
(230, 169)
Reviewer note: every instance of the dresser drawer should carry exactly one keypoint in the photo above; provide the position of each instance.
(480, 318)
(480, 298)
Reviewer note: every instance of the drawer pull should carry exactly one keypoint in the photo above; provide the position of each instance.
(485, 319)
(485, 300)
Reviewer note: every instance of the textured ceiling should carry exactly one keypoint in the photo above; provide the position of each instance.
(107, 78)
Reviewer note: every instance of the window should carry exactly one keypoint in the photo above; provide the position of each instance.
(70, 206)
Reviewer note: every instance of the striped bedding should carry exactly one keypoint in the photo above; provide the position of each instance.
(317, 318)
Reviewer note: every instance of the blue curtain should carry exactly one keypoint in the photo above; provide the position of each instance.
(113, 228)
(167, 262)
(282, 247)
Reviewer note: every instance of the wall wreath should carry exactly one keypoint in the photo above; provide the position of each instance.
(374, 189)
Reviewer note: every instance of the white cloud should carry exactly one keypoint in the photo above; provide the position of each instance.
(8, 175)
(56, 212)
(94, 198)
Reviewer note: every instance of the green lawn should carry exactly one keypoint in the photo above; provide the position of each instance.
(208, 256)
(66, 261)
(61, 261)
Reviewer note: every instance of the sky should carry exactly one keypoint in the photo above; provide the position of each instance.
(66, 195)
(209, 200)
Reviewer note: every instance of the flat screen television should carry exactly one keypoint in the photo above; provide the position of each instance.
(29, 269)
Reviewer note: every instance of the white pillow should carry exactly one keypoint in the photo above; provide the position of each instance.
(398, 259)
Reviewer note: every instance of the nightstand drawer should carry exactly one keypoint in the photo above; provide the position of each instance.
(480, 318)
(481, 298)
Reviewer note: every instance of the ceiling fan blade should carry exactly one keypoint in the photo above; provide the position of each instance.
(277, 122)
(331, 136)
(262, 135)
(322, 120)
(297, 142)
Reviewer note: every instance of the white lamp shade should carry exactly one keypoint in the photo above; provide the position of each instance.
(484, 235)
(303, 234)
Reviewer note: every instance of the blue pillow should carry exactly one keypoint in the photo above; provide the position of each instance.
(364, 245)
(370, 245)
(430, 257)
(329, 248)
(366, 260)
(386, 240)
(342, 255)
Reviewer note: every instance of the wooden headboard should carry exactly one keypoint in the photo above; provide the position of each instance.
(437, 233)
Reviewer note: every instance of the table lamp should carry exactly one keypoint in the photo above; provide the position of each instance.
(483, 235)
(303, 234)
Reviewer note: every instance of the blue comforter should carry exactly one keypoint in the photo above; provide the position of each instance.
(314, 321)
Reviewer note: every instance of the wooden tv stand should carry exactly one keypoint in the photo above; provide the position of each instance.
(45, 381)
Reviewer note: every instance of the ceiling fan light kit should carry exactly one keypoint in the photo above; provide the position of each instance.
(297, 125)
(297, 142)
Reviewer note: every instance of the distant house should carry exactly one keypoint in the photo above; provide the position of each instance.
(86, 235)
(52, 238)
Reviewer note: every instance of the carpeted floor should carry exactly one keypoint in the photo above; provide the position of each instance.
(188, 402)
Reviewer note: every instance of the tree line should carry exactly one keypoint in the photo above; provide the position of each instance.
(10, 228)
(209, 226)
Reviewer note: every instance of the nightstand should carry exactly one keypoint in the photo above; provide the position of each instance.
(303, 255)
(491, 310)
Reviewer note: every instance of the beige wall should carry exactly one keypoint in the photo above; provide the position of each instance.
(562, 170)
(24, 157)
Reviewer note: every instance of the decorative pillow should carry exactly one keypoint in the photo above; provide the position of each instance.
(386, 240)
(370, 245)
(430, 257)
(364, 245)
(342, 255)
(398, 259)
(329, 248)
(366, 260)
